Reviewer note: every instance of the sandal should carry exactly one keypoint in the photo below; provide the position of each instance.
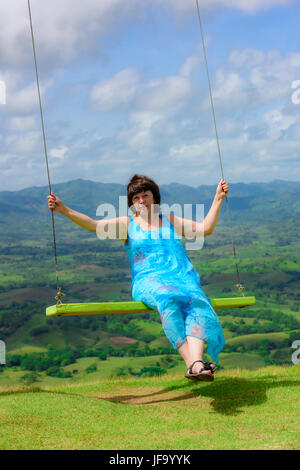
(200, 375)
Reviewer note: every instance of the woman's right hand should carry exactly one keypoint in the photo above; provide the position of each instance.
(55, 204)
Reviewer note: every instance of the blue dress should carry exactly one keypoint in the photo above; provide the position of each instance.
(164, 278)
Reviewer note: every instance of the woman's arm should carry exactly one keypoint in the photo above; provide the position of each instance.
(107, 228)
(80, 219)
(186, 227)
(212, 217)
(84, 221)
(190, 228)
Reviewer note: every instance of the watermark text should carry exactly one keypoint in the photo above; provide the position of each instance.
(296, 354)
(183, 225)
(2, 92)
(296, 94)
(2, 353)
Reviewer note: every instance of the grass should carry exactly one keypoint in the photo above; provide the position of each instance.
(241, 409)
(247, 340)
(109, 369)
(106, 370)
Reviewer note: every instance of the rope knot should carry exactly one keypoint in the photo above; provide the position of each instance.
(58, 296)
(240, 289)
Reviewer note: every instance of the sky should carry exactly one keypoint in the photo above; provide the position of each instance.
(124, 90)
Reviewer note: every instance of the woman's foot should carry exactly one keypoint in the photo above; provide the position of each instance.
(200, 370)
(197, 366)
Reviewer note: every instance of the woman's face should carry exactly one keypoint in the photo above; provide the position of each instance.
(143, 201)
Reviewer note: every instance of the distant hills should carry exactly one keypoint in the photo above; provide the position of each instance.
(26, 210)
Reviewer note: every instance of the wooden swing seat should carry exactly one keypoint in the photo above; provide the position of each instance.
(106, 308)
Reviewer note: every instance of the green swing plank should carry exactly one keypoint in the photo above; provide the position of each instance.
(105, 308)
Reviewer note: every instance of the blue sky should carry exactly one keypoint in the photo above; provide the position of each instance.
(124, 90)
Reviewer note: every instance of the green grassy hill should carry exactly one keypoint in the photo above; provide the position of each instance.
(241, 409)
(93, 368)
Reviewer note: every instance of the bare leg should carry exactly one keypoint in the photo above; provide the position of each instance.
(192, 350)
(184, 352)
(196, 347)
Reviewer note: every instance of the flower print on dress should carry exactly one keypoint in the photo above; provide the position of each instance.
(197, 331)
(139, 258)
(170, 288)
(162, 318)
(179, 342)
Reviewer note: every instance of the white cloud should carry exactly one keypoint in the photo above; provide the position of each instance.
(145, 119)
(5, 158)
(231, 89)
(201, 152)
(25, 99)
(180, 7)
(139, 136)
(190, 65)
(163, 93)
(252, 6)
(246, 58)
(27, 142)
(23, 123)
(149, 104)
(273, 78)
(65, 29)
(126, 89)
(277, 122)
(58, 152)
(116, 92)
(253, 77)
(62, 29)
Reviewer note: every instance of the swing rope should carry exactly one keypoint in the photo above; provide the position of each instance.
(238, 285)
(59, 294)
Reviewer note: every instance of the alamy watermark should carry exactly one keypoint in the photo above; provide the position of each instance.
(2, 353)
(296, 354)
(2, 92)
(192, 229)
(296, 94)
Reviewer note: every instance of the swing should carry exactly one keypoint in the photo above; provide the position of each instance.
(104, 308)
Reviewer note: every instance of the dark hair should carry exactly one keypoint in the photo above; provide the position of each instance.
(139, 183)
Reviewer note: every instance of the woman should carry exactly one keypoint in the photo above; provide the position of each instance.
(163, 276)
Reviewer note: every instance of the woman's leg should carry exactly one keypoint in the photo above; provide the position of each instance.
(192, 350)
(184, 352)
(173, 318)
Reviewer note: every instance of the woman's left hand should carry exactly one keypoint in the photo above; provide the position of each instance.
(222, 189)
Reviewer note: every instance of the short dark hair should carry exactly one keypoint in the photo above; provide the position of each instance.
(139, 183)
